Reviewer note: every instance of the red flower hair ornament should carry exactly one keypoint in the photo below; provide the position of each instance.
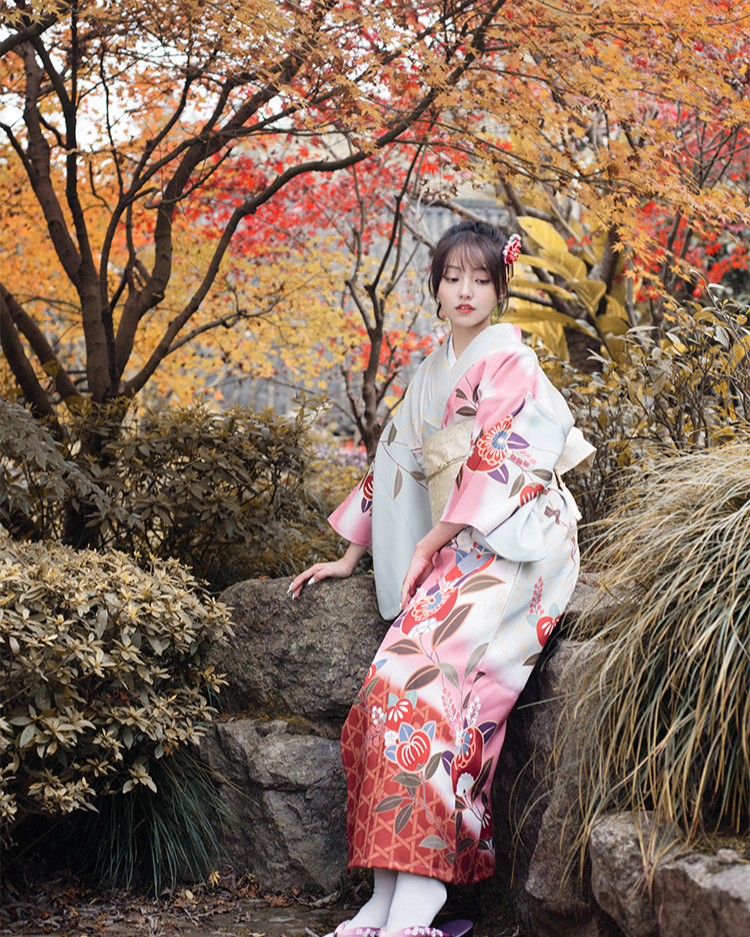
(511, 253)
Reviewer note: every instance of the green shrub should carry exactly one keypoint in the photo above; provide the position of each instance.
(203, 483)
(103, 669)
(329, 478)
(662, 716)
(233, 495)
(39, 482)
(689, 392)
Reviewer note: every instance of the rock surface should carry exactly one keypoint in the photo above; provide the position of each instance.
(307, 656)
(285, 797)
(694, 894)
(557, 905)
(617, 877)
(703, 896)
(521, 789)
(528, 824)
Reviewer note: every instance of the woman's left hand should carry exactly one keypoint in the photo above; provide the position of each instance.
(425, 556)
(422, 563)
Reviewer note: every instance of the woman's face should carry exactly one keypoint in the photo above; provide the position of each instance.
(467, 296)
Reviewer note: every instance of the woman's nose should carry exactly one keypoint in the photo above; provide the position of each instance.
(465, 288)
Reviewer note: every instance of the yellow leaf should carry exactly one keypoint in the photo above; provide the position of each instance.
(543, 233)
(552, 337)
(538, 285)
(590, 293)
(573, 267)
(548, 263)
(616, 349)
(738, 352)
(526, 313)
(619, 291)
(52, 368)
(611, 324)
(616, 308)
(598, 240)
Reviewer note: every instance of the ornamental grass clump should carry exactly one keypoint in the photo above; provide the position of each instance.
(661, 715)
(103, 671)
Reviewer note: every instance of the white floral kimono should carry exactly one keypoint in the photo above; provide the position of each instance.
(422, 740)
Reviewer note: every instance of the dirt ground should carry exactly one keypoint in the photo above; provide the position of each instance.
(228, 909)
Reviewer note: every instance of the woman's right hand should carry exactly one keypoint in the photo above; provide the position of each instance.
(338, 569)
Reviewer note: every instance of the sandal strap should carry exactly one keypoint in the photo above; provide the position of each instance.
(343, 931)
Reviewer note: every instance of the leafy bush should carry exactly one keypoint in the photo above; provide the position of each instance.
(233, 495)
(662, 717)
(38, 483)
(687, 393)
(332, 472)
(103, 669)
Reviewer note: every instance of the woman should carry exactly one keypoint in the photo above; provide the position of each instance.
(474, 537)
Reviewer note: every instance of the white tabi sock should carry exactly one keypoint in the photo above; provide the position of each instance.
(375, 912)
(416, 901)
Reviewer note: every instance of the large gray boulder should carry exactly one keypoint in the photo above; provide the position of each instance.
(285, 799)
(700, 895)
(524, 776)
(534, 805)
(305, 657)
(558, 905)
(692, 894)
(618, 882)
(531, 769)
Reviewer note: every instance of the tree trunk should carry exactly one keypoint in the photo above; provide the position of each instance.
(580, 346)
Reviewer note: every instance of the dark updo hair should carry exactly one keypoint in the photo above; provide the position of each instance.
(476, 244)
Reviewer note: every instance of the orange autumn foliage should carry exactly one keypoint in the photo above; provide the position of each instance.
(114, 275)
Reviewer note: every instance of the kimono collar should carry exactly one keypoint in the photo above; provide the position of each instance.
(493, 338)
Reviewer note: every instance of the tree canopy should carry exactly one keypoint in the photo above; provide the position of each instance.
(123, 111)
(155, 161)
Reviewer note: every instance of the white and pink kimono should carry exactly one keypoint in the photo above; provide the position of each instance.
(421, 742)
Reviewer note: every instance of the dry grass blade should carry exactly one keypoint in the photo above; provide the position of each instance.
(662, 717)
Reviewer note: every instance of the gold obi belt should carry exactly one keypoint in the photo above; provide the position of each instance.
(444, 454)
(446, 451)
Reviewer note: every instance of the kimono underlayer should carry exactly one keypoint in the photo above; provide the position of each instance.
(421, 743)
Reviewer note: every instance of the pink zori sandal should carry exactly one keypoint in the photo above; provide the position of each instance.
(460, 928)
(343, 931)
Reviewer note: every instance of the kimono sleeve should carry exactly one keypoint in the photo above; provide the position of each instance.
(520, 427)
(353, 517)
